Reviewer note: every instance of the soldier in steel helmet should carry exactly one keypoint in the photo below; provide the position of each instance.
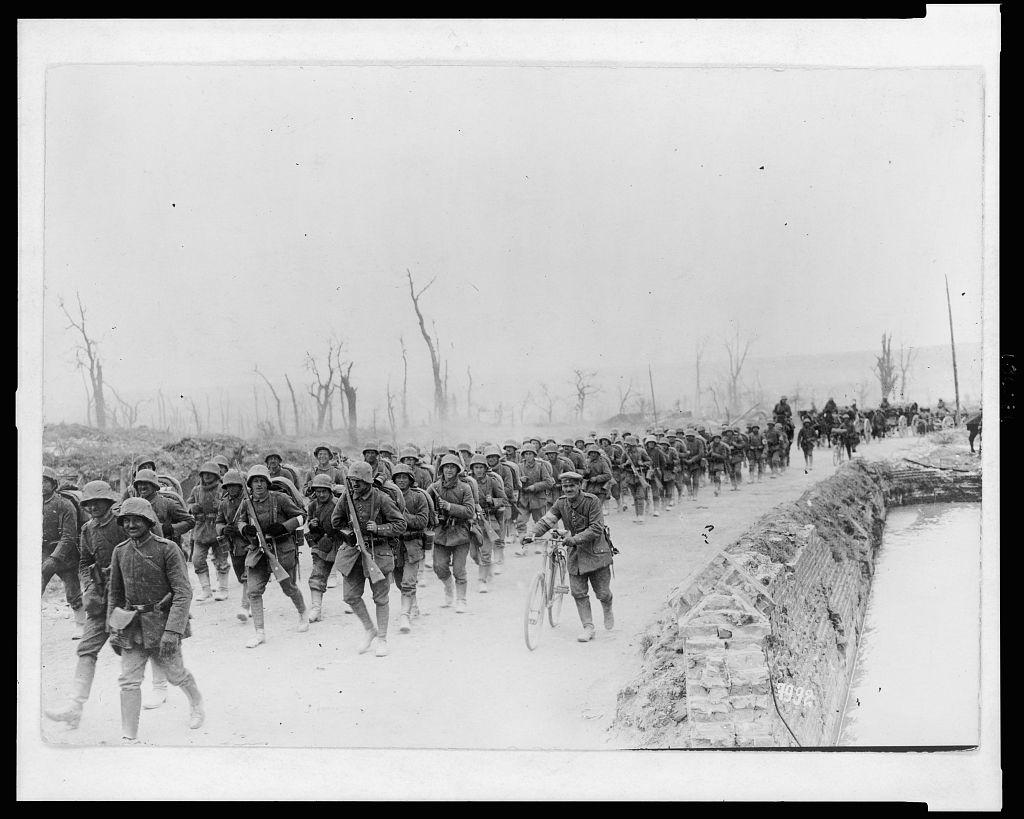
(381, 523)
(417, 512)
(718, 460)
(60, 546)
(492, 500)
(635, 465)
(205, 501)
(274, 462)
(537, 483)
(371, 455)
(323, 466)
(597, 474)
(229, 535)
(174, 519)
(99, 537)
(589, 556)
(456, 509)
(278, 516)
(147, 610)
(322, 540)
(757, 448)
(807, 439)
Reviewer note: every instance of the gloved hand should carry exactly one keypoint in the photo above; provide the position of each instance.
(275, 530)
(169, 643)
(230, 531)
(314, 523)
(569, 541)
(249, 530)
(168, 529)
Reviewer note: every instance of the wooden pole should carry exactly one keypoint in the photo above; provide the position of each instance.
(956, 381)
(654, 406)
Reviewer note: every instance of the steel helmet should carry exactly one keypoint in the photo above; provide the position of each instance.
(409, 452)
(528, 447)
(715, 435)
(403, 469)
(50, 474)
(650, 439)
(593, 449)
(549, 449)
(232, 478)
(148, 476)
(450, 459)
(257, 471)
(510, 443)
(807, 420)
(371, 446)
(614, 431)
(605, 438)
(631, 440)
(140, 507)
(273, 454)
(571, 476)
(210, 467)
(755, 426)
(316, 451)
(361, 471)
(98, 491)
(568, 442)
(478, 459)
(492, 450)
(387, 449)
(322, 481)
(221, 460)
(464, 448)
(147, 461)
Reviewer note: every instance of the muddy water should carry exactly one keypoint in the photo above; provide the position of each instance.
(916, 681)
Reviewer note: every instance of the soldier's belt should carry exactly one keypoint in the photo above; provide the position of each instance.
(407, 536)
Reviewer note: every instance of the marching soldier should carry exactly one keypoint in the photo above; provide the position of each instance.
(206, 497)
(535, 492)
(668, 473)
(693, 453)
(173, 518)
(223, 464)
(371, 455)
(456, 508)
(635, 464)
(492, 500)
(145, 463)
(229, 536)
(559, 462)
(514, 515)
(718, 458)
(806, 439)
(323, 456)
(322, 540)
(99, 537)
(597, 474)
(589, 555)
(409, 557)
(508, 482)
(277, 469)
(382, 523)
(656, 473)
(60, 547)
(277, 516)
(775, 446)
(569, 449)
(147, 609)
(737, 452)
(756, 449)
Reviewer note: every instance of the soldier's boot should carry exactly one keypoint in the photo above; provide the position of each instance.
(158, 694)
(482, 577)
(205, 594)
(131, 710)
(421, 577)
(221, 592)
(449, 592)
(72, 712)
(405, 621)
(79, 623)
(359, 609)
(656, 506)
(332, 579)
(195, 701)
(300, 606)
(243, 613)
(316, 607)
(497, 558)
(586, 618)
(609, 617)
(383, 615)
(414, 611)
(460, 598)
(260, 636)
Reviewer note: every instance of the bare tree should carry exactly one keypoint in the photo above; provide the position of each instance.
(195, 416)
(405, 384)
(469, 392)
(885, 367)
(737, 357)
(92, 362)
(322, 389)
(440, 404)
(546, 403)
(391, 410)
(129, 411)
(702, 345)
(295, 404)
(862, 393)
(523, 404)
(346, 390)
(905, 363)
(714, 398)
(624, 396)
(277, 398)
(584, 385)
(642, 404)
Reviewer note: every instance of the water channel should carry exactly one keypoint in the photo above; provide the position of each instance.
(917, 677)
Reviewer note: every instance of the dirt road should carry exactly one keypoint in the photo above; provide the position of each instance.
(457, 681)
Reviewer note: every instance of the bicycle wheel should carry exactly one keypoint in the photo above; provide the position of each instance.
(534, 616)
(555, 598)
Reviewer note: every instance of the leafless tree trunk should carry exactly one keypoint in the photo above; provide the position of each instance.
(295, 404)
(322, 390)
(905, 363)
(277, 398)
(641, 404)
(405, 384)
(500, 412)
(547, 402)
(702, 345)
(624, 396)
(885, 367)
(862, 394)
(391, 411)
(348, 392)
(92, 363)
(714, 397)
(88, 398)
(737, 357)
(255, 408)
(129, 411)
(440, 405)
(584, 386)
(469, 392)
(195, 416)
(163, 408)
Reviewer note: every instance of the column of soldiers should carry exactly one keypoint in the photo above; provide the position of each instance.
(374, 521)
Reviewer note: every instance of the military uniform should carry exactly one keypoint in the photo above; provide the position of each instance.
(237, 546)
(635, 464)
(693, 453)
(204, 506)
(535, 494)
(451, 541)
(756, 446)
(597, 477)
(60, 547)
(718, 460)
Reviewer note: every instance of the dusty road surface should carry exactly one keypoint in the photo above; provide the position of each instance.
(457, 681)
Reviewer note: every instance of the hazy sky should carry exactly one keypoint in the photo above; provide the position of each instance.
(213, 216)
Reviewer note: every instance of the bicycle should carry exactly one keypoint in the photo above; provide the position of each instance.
(547, 590)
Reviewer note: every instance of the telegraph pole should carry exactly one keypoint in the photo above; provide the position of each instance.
(956, 382)
(654, 405)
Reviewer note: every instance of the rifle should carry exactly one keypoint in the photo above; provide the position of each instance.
(369, 565)
(275, 565)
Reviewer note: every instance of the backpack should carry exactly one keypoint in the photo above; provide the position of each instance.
(81, 516)
(431, 511)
